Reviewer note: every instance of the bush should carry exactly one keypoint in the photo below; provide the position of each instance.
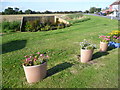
(35, 25)
(79, 20)
(73, 16)
(45, 28)
(28, 26)
(10, 26)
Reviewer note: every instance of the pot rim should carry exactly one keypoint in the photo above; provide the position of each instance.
(104, 42)
(35, 65)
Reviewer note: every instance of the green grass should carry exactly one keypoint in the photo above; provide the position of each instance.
(65, 70)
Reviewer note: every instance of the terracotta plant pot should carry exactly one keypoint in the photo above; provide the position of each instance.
(86, 55)
(103, 46)
(35, 73)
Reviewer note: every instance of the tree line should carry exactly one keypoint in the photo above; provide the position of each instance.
(16, 10)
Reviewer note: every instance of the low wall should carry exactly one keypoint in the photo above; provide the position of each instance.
(42, 19)
(19, 17)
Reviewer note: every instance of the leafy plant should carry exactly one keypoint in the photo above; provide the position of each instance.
(116, 39)
(33, 25)
(73, 16)
(115, 36)
(86, 45)
(35, 59)
(79, 20)
(10, 26)
(115, 33)
(28, 26)
(105, 38)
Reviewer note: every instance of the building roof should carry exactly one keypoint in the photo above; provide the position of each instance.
(117, 2)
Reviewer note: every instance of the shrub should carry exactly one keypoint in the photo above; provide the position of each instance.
(86, 45)
(35, 25)
(10, 26)
(79, 20)
(61, 25)
(45, 28)
(28, 26)
(32, 25)
(73, 16)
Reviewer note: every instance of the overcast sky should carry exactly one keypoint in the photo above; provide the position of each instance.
(55, 5)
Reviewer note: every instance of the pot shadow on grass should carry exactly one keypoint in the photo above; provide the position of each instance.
(13, 46)
(58, 68)
(98, 55)
(110, 48)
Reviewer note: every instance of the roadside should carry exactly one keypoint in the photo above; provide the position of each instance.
(117, 18)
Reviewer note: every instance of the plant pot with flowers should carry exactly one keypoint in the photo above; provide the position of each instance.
(86, 51)
(104, 43)
(115, 39)
(35, 67)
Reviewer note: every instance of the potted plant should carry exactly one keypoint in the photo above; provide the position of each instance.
(115, 39)
(86, 51)
(35, 67)
(104, 43)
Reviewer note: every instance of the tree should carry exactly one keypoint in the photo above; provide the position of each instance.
(47, 12)
(98, 9)
(9, 10)
(20, 12)
(16, 9)
(33, 12)
(86, 11)
(28, 11)
(38, 12)
(3, 13)
(92, 9)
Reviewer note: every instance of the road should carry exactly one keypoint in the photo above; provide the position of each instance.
(117, 18)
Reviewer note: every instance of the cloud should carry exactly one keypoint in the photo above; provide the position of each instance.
(57, 0)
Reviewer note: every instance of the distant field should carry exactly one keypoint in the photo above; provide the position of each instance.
(19, 17)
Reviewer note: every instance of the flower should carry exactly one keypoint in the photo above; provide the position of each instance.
(102, 36)
(107, 39)
(30, 56)
(41, 55)
(26, 56)
(108, 36)
(47, 56)
(86, 45)
(114, 36)
(35, 59)
(28, 59)
(38, 52)
(118, 37)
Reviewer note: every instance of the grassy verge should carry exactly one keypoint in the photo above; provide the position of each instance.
(64, 68)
